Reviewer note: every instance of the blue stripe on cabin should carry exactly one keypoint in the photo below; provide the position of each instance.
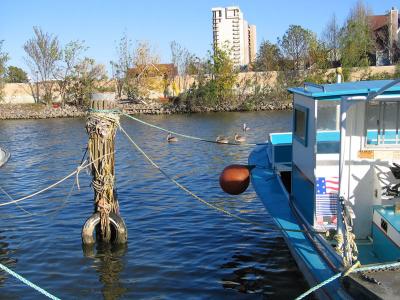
(389, 137)
(281, 138)
(286, 138)
(328, 136)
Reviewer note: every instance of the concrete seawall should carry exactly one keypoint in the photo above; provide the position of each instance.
(21, 93)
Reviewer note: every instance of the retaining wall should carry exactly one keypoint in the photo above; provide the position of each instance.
(20, 93)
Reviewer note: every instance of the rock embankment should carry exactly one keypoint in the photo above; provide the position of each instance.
(39, 111)
(156, 108)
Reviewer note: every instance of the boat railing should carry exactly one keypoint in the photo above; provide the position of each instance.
(310, 84)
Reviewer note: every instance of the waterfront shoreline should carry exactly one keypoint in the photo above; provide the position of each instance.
(40, 111)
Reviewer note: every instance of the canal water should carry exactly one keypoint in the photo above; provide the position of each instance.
(178, 248)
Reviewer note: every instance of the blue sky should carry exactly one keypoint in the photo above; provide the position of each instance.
(101, 23)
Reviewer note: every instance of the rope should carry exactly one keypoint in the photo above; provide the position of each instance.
(28, 283)
(318, 286)
(101, 126)
(40, 191)
(186, 135)
(353, 269)
(105, 111)
(346, 245)
(118, 111)
(11, 198)
(48, 213)
(242, 219)
(78, 170)
(80, 167)
(57, 209)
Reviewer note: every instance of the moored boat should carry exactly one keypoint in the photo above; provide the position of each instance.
(333, 186)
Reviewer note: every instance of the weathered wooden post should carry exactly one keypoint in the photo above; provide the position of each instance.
(101, 125)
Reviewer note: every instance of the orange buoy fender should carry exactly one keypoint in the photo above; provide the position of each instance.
(235, 179)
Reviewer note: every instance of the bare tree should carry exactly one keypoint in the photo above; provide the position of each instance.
(86, 75)
(181, 58)
(43, 52)
(359, 11)
(3, 60)
(132, 68)
(71, 57)
(331, 37)
(145, 60)
(124, 62)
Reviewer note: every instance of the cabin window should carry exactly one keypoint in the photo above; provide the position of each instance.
(328, 115)
(300, 124)
(382, 123)
(328, 135)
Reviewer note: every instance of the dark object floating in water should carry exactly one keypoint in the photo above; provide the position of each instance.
(235, 179)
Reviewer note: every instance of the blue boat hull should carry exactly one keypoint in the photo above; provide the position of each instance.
(308, 256)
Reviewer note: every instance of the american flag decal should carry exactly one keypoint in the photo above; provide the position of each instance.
(326, 200)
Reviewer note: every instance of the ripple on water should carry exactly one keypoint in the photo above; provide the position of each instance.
(177, 247)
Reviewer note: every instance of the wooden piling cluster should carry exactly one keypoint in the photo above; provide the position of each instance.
(101, 126)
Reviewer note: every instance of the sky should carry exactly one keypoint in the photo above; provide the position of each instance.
(102, 23)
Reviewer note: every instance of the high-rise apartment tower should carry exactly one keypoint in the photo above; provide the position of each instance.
(232, 30)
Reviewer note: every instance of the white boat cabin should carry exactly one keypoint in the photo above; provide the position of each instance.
(344, 142)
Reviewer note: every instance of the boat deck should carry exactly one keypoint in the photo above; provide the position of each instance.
(365, 253)
(381, 285)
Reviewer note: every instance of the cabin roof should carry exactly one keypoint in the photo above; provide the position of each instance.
(336, 90)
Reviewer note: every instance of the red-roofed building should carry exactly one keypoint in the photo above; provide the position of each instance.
(386, 33)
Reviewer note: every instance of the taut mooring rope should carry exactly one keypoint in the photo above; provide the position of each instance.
(242, 219)
(28, 283)
(52, 211)
(354, 269)
(186, 135)
(78, 169)
(117, 111)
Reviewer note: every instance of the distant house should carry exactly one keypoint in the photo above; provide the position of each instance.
(154, 70)
(386, 33)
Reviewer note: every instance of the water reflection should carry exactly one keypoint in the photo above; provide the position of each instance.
(262, 270)
(5, 259)
(183, 250)
(108, 262)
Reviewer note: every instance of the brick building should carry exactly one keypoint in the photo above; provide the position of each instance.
(386, 33)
